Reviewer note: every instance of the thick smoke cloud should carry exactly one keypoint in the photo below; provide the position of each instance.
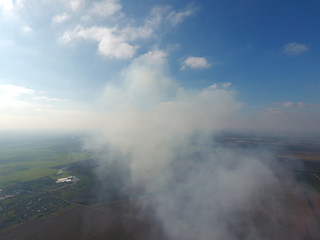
(147, 114)
(164, 133)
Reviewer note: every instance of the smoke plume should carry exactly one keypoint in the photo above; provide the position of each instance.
(164, 134)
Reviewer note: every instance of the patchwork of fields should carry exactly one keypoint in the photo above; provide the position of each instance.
(28, 158)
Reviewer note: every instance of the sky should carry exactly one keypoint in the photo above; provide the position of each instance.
(59, 59)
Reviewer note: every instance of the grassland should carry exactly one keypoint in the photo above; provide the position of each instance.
(28, 159)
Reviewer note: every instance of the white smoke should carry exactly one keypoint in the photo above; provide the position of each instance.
(147, 114)
(165, 133)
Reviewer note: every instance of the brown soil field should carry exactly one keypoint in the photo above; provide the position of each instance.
(86, 223)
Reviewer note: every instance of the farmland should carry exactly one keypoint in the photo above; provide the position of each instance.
(29, 158)
(29, 168)
(34, 206)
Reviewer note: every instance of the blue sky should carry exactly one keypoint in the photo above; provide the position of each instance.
(58, 57)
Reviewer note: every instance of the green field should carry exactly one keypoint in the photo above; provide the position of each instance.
(28, 158)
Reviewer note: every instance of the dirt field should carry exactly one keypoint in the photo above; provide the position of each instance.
(86, 223)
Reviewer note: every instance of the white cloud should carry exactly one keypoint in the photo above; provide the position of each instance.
(121, 41)
(294, 48)
(289, 104)
(155, 56)
(20, 3)
(226, 84)
(72, 6)
(105, 8)
(6, 5)
(60, 18)
(10, 7)
(14, 90)
(25, 108)
(213, 86)
(195, 63)
(133, 33)
(75, 4)
(10, 94)
(287, 118)
(47, 99)
(26, 29)
(110, 43)
(116, 42)
(221, 85)
(14, 96)
(165, 14)
(286, 104)
(156, 17)
(175, 17)
(14, 99)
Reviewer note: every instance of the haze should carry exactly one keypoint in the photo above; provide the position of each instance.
(156, 89)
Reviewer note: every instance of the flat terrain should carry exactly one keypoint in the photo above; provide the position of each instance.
(33, 206)
(32, 157)
(86, 223)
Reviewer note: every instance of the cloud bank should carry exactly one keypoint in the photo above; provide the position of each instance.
(121, 41)
(24, 108)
